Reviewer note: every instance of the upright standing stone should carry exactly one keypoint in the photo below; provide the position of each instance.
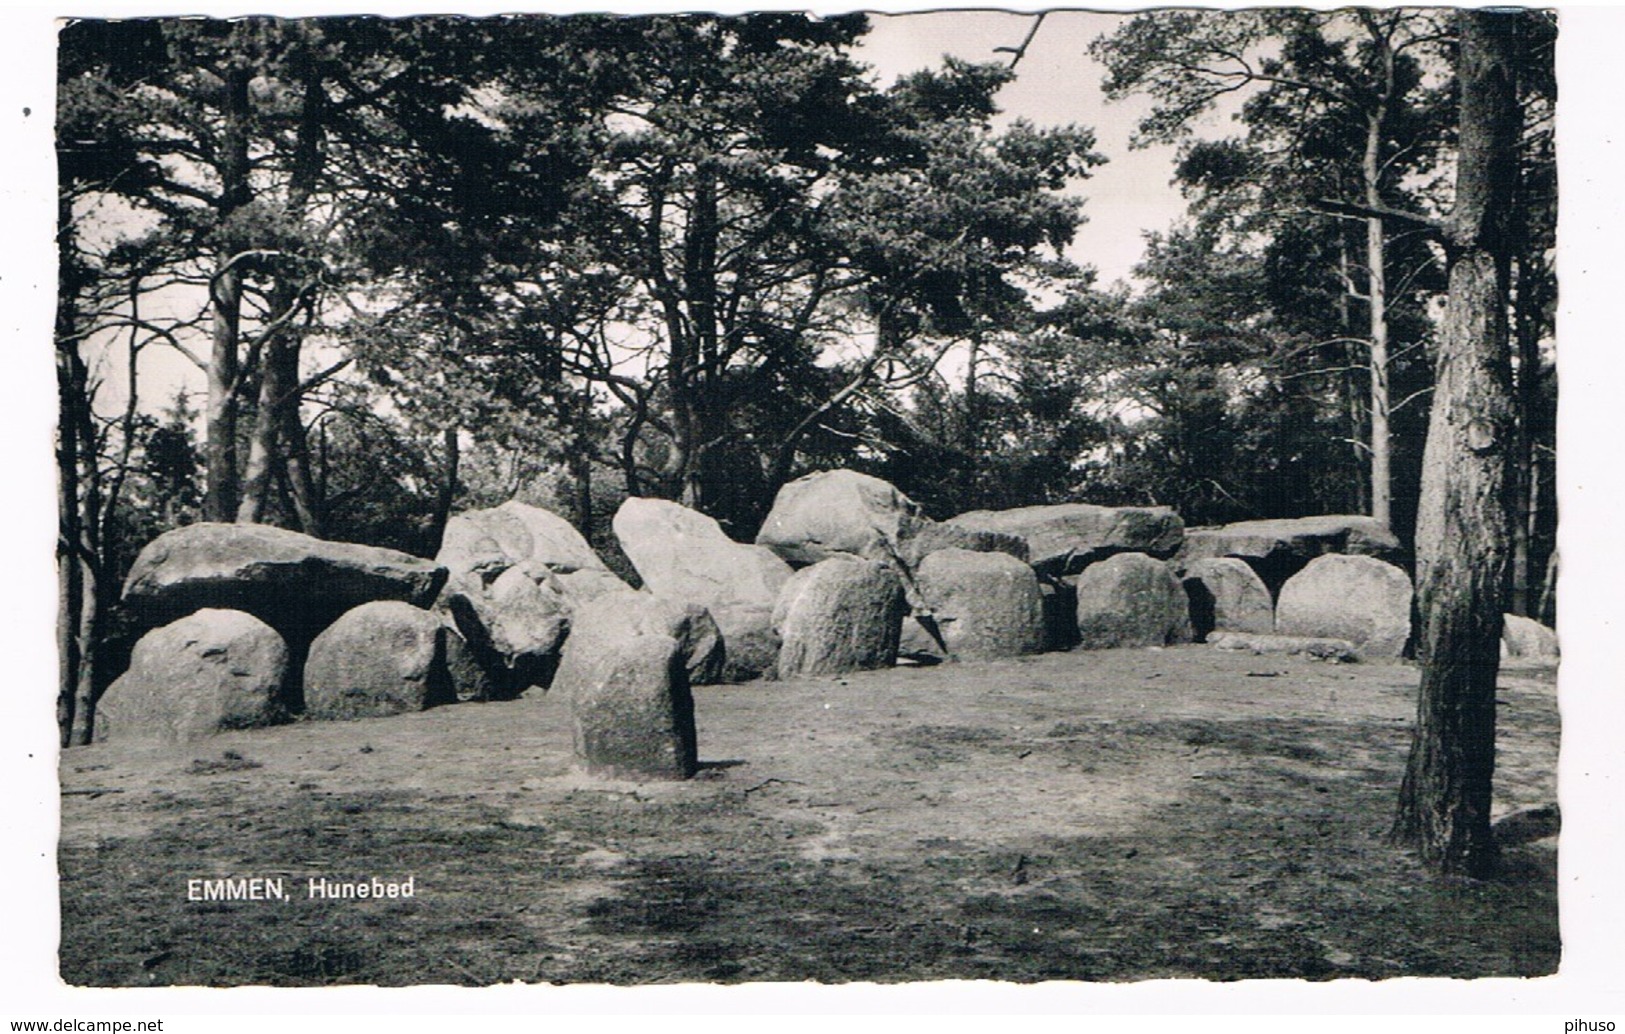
(838, 615)
(984, 604)
(1358, 598)
(625, 669)
(206, 673)
(1227, 596)
(1131, 600)
(379, 659)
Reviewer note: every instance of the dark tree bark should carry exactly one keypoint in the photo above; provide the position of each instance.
(80, 578)
(226, 300)
(581, 456)
(276, 383)
(1464, 527)
(70, 374)
(278, 431)
(79, 515)
(448, 490)
(695, 389)
(1529, 278)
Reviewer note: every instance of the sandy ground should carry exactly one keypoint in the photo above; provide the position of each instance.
(1119, 814)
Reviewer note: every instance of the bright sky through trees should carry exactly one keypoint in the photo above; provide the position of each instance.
(1057, 82)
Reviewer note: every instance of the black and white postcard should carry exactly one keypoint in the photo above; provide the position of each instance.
(1059, 499)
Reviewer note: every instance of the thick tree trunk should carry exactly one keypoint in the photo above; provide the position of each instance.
(448, 489)
(628, 455)
(262, 441)
(1381, 453)
(1354, 356)
(71, 388)
(1464, 525)
(972, 440)
(682, 363)
(1372, 168)
(307, 503)
(89, 629)
(706, 420)
(1377, 298)
(580, 462)
(1547, 614)
(79, 518)
(279, 433)
(69, 586)
(1526, 314)
(92, 558)
(220, 411)
(226, 300)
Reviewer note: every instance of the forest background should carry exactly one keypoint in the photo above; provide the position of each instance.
(424, 266)
(970, 468)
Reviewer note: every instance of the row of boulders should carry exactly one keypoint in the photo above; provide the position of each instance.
(1277, 549)
(358, 631)
(248, 613)
(1359, 601)
(846, 574)
(1132, 599)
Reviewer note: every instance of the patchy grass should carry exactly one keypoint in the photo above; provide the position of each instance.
(1119, 815)
(229, 761)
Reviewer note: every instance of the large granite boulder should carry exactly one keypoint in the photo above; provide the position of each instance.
(840, 614)
(514, 627)
(926, 537)
(626, 670)
(208, 672)
(984, 604)
(835, 513)
(295, 583)
(750, 643)
(1278, 549)
(1227, 596)
(1528, 640)
(516, 573)
(479, 546)
(1131, 600)
(1065, 538)
(844, 513)
(1358, 598)
(382, 658)
(684, 555)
